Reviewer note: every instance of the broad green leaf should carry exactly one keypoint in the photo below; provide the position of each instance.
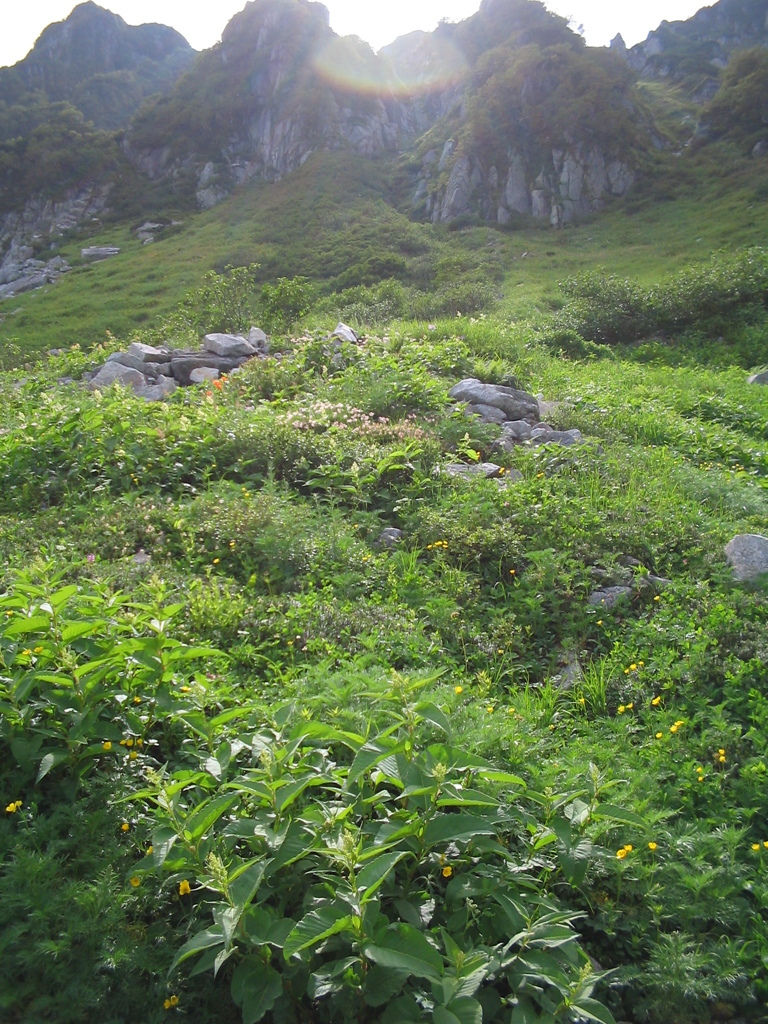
(381, 984)
(163, 839)
(213, 767)
(444, 828)
(404, 948)
(368, 756)
(34, 624)
(616, 813)
(203, 940)
(375, 872)
(503, 778)
(463, 1010)
(60, 597)
(593, 1010)
(329, 980)
(255, 988)
(317, 926)
(50, 761)
(201, 819)
(77, 629)
(244, 886)
(431, 713)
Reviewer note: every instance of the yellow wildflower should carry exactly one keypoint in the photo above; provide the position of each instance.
(633, 667)
(599, 622)
(13, 807)
(106, 745)
(721, 759)
(184, 888)
(458, 689)
(447, 871)
(721, 751)
(629, 848)
(659, 735)
(135, 881)
(674, 728)
(621, 854)
(622, 709)
(216, 561)
(653, 846)
(150, 849)
(755, 846)
(125, 827)
(655, 702)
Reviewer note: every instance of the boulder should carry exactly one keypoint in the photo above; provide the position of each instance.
(747, 554)
(115, 373)
(258, 340)
(99, 252)
(516, 405)
(519, 429)
(389, 537)
(759, 378)
(546, 435)
(156, 392)
(481, 470)
(487, 413)
(230, 345)
(345, 333)
(203, 373)
(126, 359)
(147, 353)
(609, 596)
(183, 366)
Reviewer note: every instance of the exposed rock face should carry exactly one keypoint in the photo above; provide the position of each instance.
(298, 85)
(41, 220)
(709, 37)
(571, 184)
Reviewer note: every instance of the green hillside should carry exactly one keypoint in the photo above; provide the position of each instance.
(324, 702)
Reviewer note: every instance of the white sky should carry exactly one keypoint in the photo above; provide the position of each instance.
(377, 21)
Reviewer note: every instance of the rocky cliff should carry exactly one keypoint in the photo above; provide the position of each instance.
(282, 85)
(697, 49)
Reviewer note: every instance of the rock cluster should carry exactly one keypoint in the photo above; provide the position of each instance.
(155, 373)
(20, 272)
(517, 413)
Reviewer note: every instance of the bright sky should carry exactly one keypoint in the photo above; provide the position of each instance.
(377, 21)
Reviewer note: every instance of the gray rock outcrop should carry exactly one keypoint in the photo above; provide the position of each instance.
(155, 373)
(36, 227)
(515, 404)
(747, 554)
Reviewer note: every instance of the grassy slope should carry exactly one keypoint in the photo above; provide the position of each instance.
(268, 531)
(336, 211)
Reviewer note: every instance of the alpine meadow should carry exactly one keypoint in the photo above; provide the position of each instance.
(384, 523)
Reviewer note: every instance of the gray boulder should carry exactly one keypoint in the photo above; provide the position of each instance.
(345, 333)
(546, 435)
(258, 340)
(126, 359)
(389, 537)
(759, 378)
(747, 554)
(156, 392)
(203, 373)
(516, 405)
(481, 470)
(487, 413)
(230, 345)
(609, 596)
(99, 252)
(147, 353)
(182, 366)
(115, 373)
